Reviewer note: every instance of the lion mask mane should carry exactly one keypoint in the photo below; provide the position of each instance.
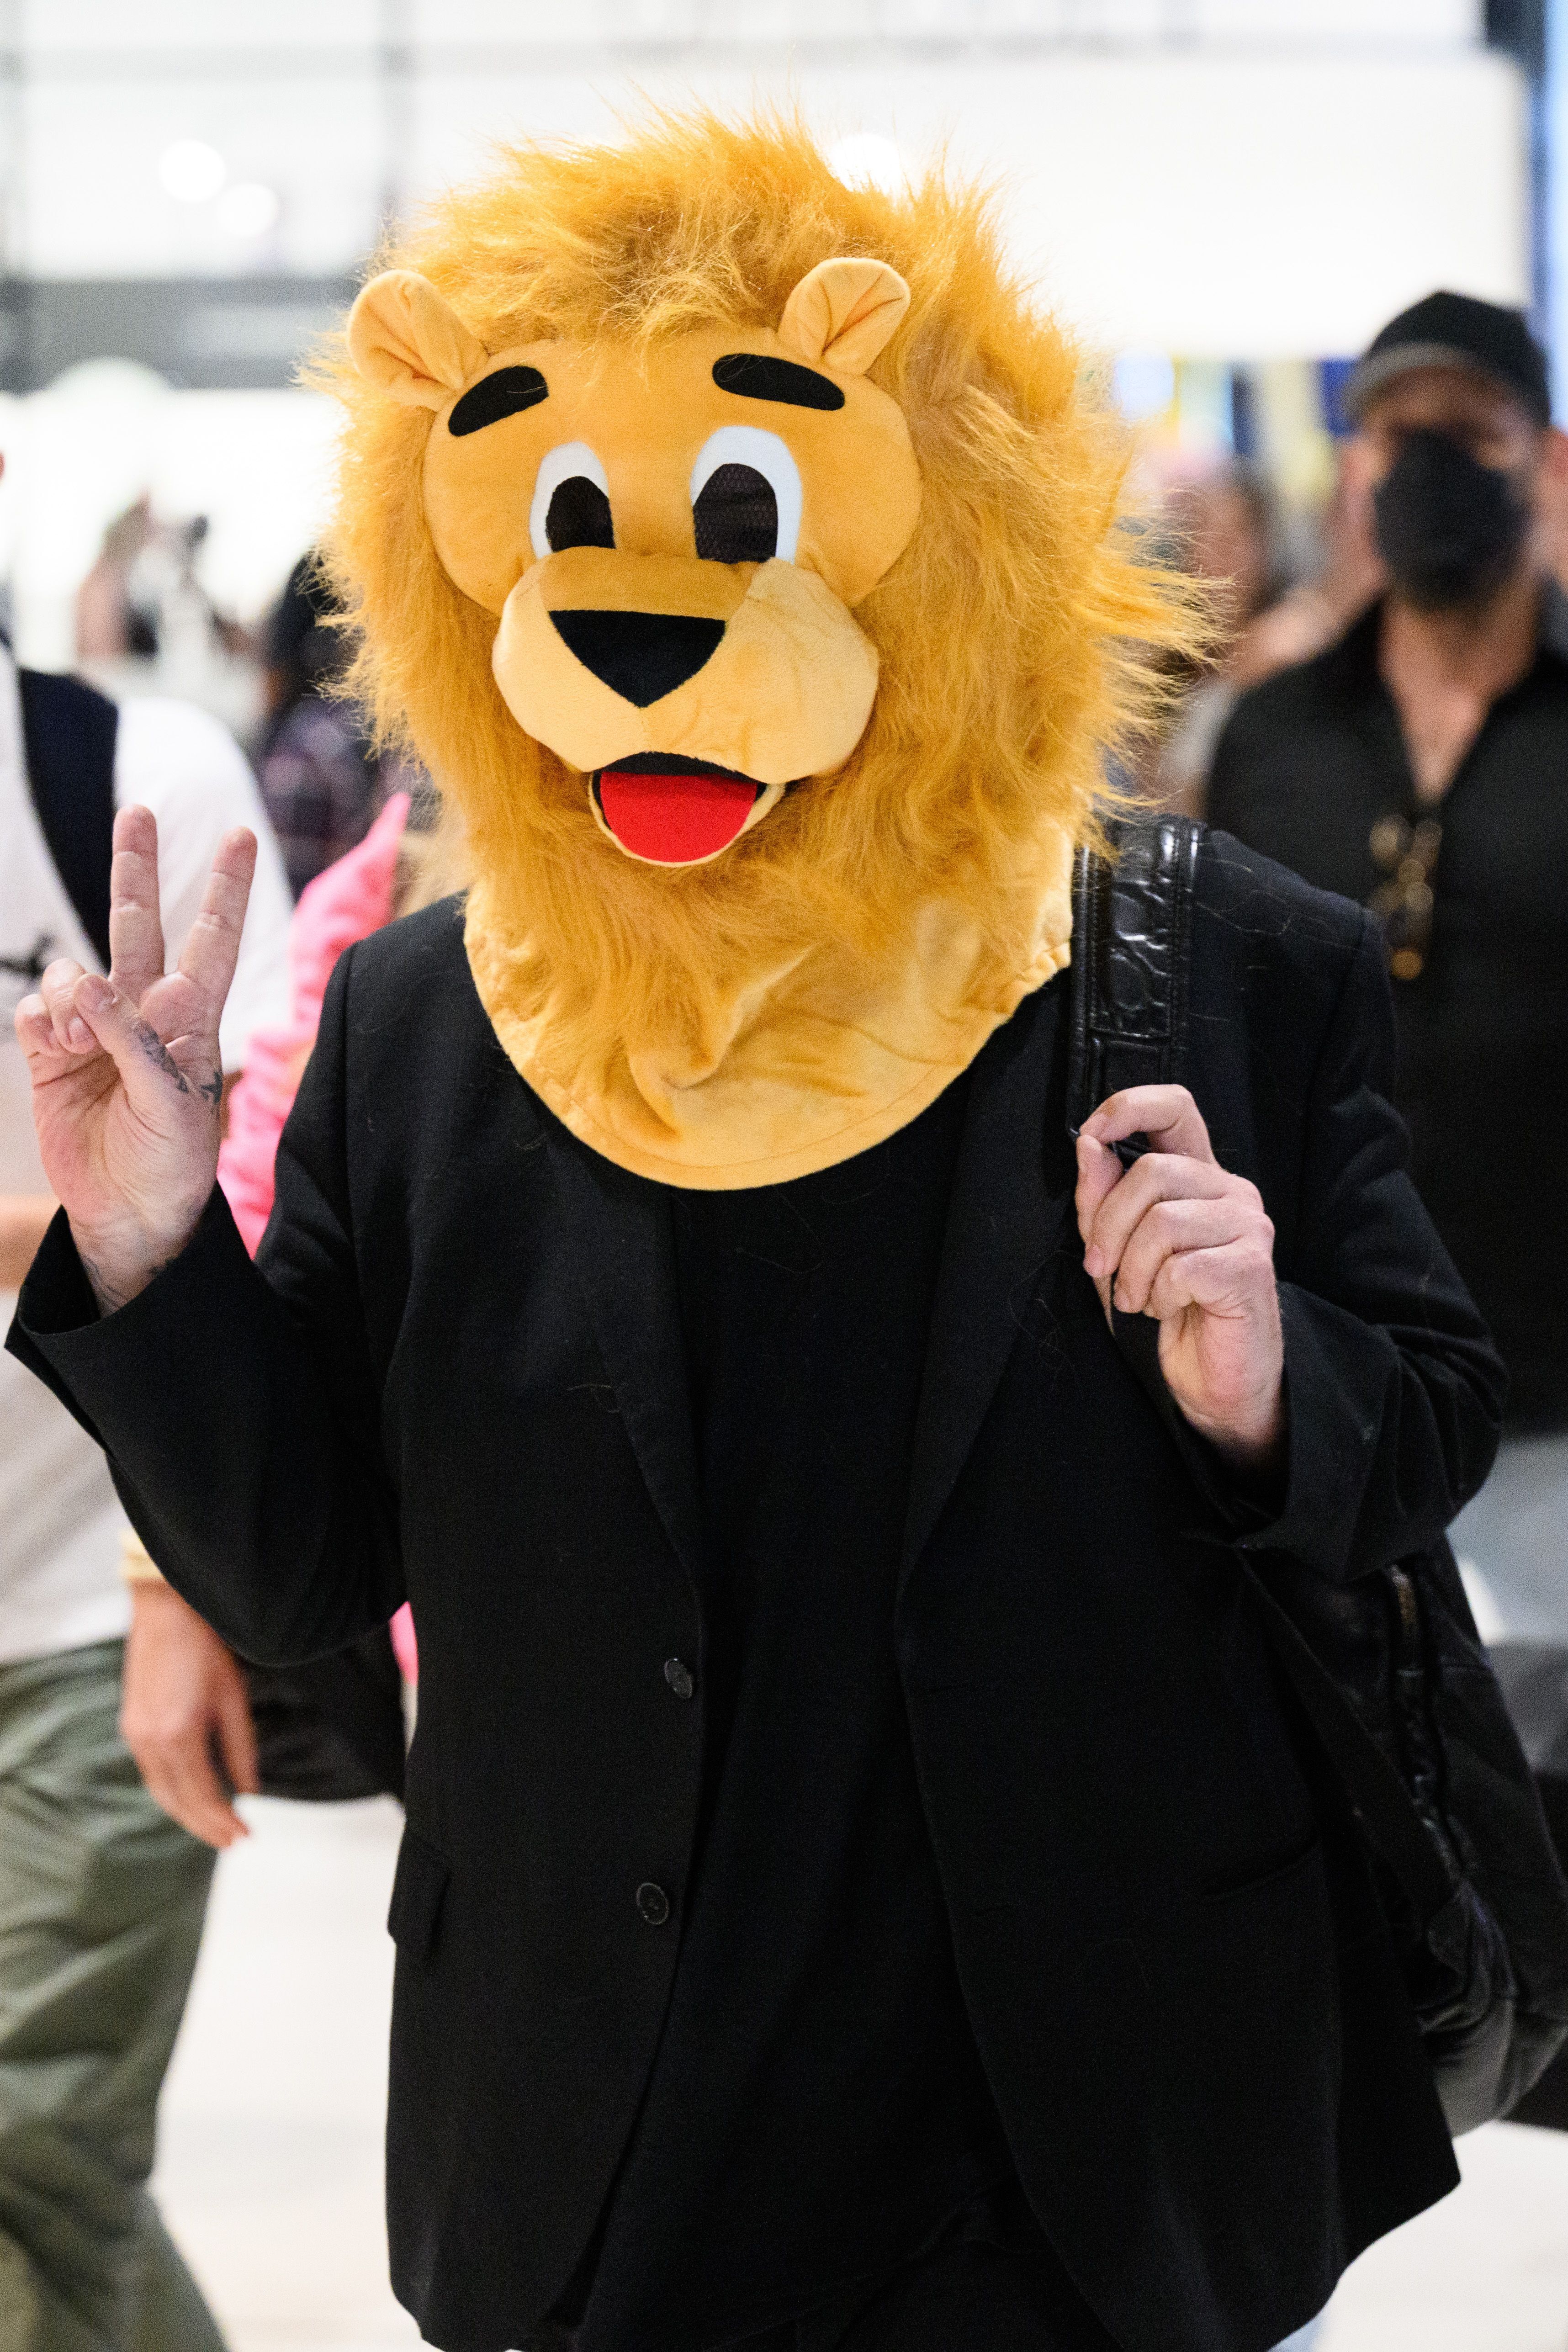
(740, 552)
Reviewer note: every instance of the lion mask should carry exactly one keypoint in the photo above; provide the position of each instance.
(770, 789)
(672, 549)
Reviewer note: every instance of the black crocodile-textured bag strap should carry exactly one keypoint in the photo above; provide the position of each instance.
(1132, 951)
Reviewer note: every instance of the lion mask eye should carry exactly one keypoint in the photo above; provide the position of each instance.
(570, 502)
(736, 517)
(745, 498)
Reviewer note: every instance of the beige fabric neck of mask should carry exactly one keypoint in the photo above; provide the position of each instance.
(818, 1061)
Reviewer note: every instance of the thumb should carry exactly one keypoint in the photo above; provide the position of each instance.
(1099, 1173)
(152, 1079)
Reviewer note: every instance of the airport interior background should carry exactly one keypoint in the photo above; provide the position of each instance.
(1227, 197)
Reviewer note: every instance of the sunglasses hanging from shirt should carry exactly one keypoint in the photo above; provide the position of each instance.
(1407, 853)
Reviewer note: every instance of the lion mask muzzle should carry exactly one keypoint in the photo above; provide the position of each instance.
(690, 693)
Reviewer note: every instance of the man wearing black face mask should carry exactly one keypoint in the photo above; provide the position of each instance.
(1421, 765)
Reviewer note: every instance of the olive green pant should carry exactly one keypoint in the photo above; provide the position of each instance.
(101, 1898)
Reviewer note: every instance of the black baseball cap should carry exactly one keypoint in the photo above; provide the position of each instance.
(1455, 331)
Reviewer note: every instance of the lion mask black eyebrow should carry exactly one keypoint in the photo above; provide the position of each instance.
(504, 393)
(755, 376)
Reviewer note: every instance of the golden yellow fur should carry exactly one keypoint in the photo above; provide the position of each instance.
(1012, 632)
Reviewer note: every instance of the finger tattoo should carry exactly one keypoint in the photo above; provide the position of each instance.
(210, 1089)
(158, 1054)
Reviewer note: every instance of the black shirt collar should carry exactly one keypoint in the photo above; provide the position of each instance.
(1350, 665)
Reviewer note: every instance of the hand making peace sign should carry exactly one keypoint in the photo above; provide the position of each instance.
(127, 1075)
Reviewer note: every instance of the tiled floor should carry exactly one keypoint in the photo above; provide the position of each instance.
(270, 2167)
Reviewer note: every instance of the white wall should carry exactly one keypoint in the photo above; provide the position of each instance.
(1224, 207)
(1219, 204)
(52, 27)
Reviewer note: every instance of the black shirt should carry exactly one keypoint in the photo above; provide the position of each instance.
(816, 2109)
(1309, 762)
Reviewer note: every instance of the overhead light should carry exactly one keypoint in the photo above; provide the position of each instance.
(248, 209)
(191, 171)
(866, 159)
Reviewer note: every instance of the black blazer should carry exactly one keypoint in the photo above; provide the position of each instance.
(458, 1376)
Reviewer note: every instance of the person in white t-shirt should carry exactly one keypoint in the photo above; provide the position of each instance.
(103, 1892)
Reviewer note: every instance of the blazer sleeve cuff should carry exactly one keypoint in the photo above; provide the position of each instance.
(1311, 1507)
(87, 1359)
(1335, 1380)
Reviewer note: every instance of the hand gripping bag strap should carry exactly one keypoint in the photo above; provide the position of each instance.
(69, 734)
(1388, 1673)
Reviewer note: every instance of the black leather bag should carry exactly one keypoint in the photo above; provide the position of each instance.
(1534, 1679)
(1388, 1670)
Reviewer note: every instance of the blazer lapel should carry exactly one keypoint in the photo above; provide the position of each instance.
(620, 1233)
(1002, 1225)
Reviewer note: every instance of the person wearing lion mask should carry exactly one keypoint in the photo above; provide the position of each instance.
(860, 1886)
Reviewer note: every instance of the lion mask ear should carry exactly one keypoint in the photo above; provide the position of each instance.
(842, 313)
(404, 338)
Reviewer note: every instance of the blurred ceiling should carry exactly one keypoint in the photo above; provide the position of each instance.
(197, 186)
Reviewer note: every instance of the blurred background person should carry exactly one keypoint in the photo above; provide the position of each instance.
(322, 781)
(109, 622)
(101, 1893)
(1225, 528)
(1420, 764)
(143, 601)
(1349, 572)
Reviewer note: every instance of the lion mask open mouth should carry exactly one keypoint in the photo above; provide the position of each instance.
(667, 810)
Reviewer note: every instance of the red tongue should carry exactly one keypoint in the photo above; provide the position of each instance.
(673, 819)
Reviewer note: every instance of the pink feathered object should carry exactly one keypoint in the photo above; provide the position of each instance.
(346, 903)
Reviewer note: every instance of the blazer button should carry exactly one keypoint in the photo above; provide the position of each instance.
(653, 1903)
(680, 1677)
